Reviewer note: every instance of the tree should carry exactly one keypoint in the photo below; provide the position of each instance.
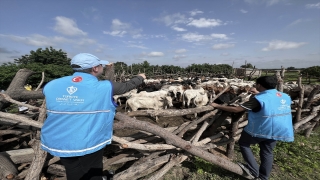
(46, 56)
(54, 63)
(248, 65)
(7, 72)
(291, 68)
(312, 71)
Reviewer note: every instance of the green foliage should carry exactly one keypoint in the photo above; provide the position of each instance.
(202, 165)
(312, 71)
(248, 65)
(218, 69)
(46, 56)
(291, 68)
(300, 158)
(296, 160)
(293, 76)
(53, 63)
(7, 72)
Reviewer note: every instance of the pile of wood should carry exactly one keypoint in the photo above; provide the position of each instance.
(151, 152)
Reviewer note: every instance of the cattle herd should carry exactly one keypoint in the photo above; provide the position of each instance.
(187, 93)
(158, 94)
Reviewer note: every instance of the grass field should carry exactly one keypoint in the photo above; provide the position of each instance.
(299, 160)
(293, 76)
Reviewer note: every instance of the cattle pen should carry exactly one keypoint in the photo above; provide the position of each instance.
(153, 148)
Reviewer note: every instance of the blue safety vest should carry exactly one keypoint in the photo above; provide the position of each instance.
(80, 113)
(274, 120)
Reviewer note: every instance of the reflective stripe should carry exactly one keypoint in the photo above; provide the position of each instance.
(75, 151)
(77, 112)
(277, 115)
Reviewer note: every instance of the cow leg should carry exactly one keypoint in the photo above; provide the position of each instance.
(188, 103)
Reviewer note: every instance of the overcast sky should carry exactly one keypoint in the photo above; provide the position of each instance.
(265, 33)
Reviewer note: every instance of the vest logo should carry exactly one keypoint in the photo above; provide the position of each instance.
(77, 79)
(71, 89)
(279, 94)
(283, 101)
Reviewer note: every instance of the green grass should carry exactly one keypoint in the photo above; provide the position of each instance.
(299, 160)
(293, 76)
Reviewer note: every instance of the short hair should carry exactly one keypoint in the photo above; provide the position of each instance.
(268, 82)
(83, 70)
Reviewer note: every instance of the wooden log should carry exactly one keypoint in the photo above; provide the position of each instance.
(209, 139)
(14, 138)
(17, 91)
(5, 122)
(301, 94)
(206, 116)
(175, 140)
(204, 126)
(37, 162)
(280, 81)
(315, 91)
(40, 155)
(135, 172)
(21, 119)
(7, 168)
(57, 169)
(9, 99)
(41, 82)
(218, 122)
(243, 123)
(169, 112)
(127, 144)
(174, 160)
(308, 131)
(13, 132)
(108, 161)
(234, 129)
(313, 114)
(148, 157)
(20, 155)
(309, 124)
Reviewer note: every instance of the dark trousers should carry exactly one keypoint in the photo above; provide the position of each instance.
(266, 154)
(85, 167)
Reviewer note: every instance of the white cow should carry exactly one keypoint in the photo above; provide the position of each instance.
(160, 93)
(175, 89)
(190, 94)
(155, 103)
(127, 94)
(201, 99)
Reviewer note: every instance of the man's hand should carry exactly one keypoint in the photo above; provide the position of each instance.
(110, 64)
(253, 90)
(142, 75)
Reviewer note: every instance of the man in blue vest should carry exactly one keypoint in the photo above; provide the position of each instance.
(269, 121)
(80, 114)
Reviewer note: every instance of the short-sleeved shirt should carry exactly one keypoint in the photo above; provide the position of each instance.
(252, 105)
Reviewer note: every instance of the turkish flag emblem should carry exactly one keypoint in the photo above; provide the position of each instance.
(77, 79)
(278, 94)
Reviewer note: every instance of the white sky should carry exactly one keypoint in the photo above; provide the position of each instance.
(265, 33)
